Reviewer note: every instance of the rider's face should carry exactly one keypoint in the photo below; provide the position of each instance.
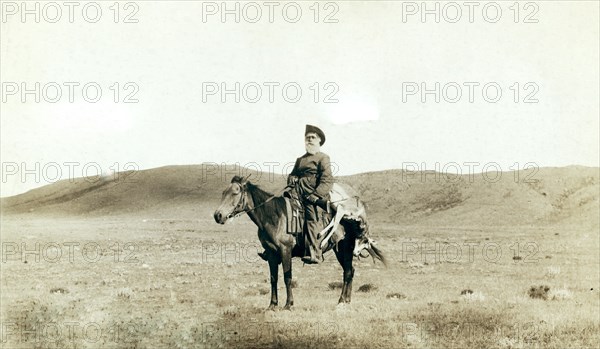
(312, 143)
(312, 139)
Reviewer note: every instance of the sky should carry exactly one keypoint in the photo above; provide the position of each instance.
(516, 85)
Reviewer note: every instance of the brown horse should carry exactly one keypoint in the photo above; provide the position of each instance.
(269, 213)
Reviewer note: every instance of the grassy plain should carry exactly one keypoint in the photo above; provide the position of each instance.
(136, 282)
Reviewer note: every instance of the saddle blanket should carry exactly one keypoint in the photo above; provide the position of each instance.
(295, 214)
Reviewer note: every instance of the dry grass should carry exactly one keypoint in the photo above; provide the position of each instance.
(336, 285)
(367, 288)
(181, 293)
(396, 295)
(540, 292)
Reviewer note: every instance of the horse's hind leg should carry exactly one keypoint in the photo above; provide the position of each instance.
(344, 257)
(286, 261)
(274, 269)
(348, 276)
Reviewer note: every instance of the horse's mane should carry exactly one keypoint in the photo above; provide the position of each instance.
(257, 192)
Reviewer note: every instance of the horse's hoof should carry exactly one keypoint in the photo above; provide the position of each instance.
(272, 307)
(288, 307)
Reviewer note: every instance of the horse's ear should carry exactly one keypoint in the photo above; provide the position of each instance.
(240, 180)
(237, 179)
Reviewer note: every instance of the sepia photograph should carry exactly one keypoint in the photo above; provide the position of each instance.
(182, 174)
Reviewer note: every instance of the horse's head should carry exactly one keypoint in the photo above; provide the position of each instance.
(234, 200)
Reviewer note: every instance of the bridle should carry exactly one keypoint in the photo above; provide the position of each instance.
(242, 205)
(240, 208)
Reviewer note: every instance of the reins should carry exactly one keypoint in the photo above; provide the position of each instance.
(255, 207)
(232, 215)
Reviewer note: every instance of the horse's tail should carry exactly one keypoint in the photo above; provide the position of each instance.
(376, 253)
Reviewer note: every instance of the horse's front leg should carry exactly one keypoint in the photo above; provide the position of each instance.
(286, 261)
(274, 269)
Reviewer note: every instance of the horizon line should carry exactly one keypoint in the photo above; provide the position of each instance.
(263, 172)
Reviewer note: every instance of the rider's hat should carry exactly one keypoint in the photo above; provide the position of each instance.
(315, 129)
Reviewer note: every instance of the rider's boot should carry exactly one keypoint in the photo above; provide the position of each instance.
(311, 259)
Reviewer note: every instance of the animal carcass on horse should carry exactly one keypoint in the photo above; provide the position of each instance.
(346, 205)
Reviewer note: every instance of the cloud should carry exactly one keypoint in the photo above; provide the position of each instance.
(353, 109)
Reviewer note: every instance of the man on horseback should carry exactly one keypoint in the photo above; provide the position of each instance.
(276, 218)
(313, 180)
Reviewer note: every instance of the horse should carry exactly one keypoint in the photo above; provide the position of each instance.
(269, 214)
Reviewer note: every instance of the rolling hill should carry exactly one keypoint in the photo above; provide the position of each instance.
(567, 195)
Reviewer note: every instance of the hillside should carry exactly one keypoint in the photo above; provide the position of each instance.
(568, 195)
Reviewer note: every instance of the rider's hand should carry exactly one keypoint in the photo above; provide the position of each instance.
(312, 198)
(292, 180)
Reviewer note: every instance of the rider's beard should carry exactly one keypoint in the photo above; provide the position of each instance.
(312, 148)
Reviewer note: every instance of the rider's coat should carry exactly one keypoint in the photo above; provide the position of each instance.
(314, 174)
